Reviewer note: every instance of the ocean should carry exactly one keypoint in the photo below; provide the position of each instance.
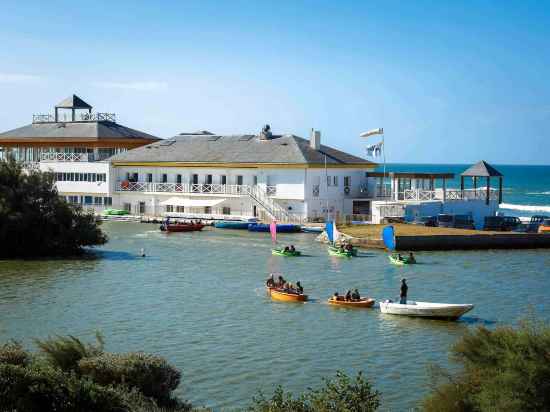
(526, 188)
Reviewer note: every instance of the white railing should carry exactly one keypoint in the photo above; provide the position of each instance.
(66, 157)
(392, 210)
(126, 186)
(450, 194)
(418, 194)
(271, 190)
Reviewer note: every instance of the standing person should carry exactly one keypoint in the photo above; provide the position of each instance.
(404, 290)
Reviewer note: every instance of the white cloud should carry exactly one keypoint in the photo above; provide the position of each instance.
(146, 86)
(18, 78)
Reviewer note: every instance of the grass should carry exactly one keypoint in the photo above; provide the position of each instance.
(374, 231)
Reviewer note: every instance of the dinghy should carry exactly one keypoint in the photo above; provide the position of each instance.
(449, 311)
(282, 252)
(334, 251)
(282, 296)
(362, 303)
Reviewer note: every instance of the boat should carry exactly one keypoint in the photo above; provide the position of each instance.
(281, 228)
(334, 251)
(227, 224)
(362, 303)
(115, 212)
(181, 227)
(431, 310)
(313, 229)
(282, 252)
(281, 295)
(403, 261)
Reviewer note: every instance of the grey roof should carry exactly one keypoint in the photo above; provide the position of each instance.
(73, 102)
(92, 130)
(481, 169)
(287, 149)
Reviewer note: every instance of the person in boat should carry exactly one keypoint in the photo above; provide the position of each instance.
(411, 258)
(270, 282)
(348, 296)
(337, 296)
(287, 249)
(399, 257)
(281, 282)
(292, 248)
(403, 292)
(355, 295)
(341, 249)
(349, 247)
(299, 288)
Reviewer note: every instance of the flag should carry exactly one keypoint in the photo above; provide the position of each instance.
(375, 150)
(273, 230)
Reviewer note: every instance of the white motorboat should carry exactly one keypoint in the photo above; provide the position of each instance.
(448, 311)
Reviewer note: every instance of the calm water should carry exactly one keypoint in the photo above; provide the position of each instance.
(198, 300)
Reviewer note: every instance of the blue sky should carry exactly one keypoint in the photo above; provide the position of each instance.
(450, 82)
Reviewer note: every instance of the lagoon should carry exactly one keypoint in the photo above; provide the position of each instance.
(198, 299)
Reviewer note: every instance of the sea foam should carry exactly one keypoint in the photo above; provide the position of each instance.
(525, 208)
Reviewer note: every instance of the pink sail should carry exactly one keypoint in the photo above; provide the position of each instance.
(273, 230)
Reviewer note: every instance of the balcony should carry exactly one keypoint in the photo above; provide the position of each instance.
(66, 157)
(235, 190)
(85, 117)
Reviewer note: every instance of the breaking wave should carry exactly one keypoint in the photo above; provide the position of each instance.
(538, 193)
(525, 208)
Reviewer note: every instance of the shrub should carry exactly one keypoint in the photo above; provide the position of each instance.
(64, 352)
(12, 353)
(340, 394)
(150, 375)
(503, 369)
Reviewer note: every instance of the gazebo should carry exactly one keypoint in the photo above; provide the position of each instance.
(483, 169)
(72, 103)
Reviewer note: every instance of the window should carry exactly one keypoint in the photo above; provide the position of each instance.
(180, 209)
(207, 210)
(164, 178)
(239, 180)
(226, 210)
(329, 180)
(335, 180)
(108, 201)
(88, 200)
(255, 180)
(178, 179)
(169, 209)
(141, 208)
(195, 179)
(149, 177)
(223, 179)
(208, 179)
(98, 200)
(347, 180)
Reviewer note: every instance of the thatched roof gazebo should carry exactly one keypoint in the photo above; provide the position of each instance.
(483, 169)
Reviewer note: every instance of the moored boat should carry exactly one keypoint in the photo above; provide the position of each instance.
(225, 224)
(449, 311)
(281, 228)
(396, 261)
(282, 296)
(361, 303)
(181, 227)
(282, 252)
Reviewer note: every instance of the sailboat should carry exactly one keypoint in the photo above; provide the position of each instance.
(333, 235)
(280, 251)
(388, 236)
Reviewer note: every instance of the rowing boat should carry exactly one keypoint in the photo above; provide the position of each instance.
(447, 311)
(281, 295)
(396, 261)
(282, 252)
(334, 251)
(362, 303)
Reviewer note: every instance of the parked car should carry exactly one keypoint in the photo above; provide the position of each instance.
(425, 221)
(445, 220)
(463, 222)
(502, 223)
(535, 222)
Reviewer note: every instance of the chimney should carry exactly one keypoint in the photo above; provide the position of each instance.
(315, 139)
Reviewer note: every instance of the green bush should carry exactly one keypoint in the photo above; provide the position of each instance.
(65, 352)
(502, 369)
(36, 221)
(30, 389)
(150, 375)
(12, 353)
(340, 394)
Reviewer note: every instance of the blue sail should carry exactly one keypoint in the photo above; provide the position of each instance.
(388, 235)
(329, 227)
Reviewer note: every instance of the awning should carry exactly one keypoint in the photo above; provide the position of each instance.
(180, 201)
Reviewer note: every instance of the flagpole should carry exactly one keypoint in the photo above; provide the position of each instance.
(326, 184)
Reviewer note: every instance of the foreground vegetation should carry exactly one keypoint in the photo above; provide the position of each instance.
(502, 369)
(35, 221)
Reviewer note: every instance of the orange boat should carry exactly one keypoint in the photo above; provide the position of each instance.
(362, 303)
(281, 295)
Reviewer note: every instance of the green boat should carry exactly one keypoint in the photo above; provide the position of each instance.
(115, 212)
(396, 261)
(282, 252)
(334, 251)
